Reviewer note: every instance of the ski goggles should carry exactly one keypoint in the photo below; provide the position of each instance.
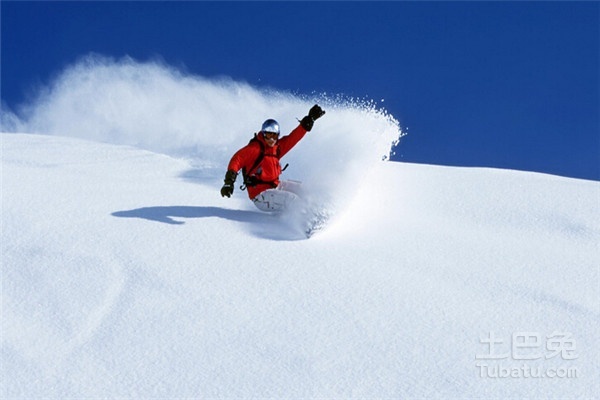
(271, 135)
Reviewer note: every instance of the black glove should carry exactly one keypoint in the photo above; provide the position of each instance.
(227, 189)
(314, 113)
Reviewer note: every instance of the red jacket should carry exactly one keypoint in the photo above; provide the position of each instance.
(269, 169)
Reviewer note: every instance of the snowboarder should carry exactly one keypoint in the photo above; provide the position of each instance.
(259, 162)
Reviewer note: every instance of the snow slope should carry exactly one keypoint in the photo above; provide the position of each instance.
(125, 274)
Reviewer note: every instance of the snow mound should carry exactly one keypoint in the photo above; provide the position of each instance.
(126, 275)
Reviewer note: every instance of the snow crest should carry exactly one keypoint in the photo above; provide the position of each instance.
(157, 107)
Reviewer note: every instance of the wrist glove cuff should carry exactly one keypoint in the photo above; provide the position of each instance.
(230, 177)
(307, 123)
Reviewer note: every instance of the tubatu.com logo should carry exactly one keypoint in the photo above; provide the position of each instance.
(527, 355)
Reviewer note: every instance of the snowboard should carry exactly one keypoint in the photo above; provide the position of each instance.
(298, 213)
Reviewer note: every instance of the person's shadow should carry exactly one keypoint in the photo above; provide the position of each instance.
(167, 214)
(263, 225)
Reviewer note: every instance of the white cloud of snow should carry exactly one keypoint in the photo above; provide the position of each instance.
(157, 107)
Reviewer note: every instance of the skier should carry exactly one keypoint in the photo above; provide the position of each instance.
(259, 162)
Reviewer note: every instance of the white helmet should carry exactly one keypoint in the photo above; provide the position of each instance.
(270, 126)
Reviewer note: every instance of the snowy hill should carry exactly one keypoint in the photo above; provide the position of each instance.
(125, 274)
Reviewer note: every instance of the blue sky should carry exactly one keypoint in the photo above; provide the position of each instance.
(496, 84)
